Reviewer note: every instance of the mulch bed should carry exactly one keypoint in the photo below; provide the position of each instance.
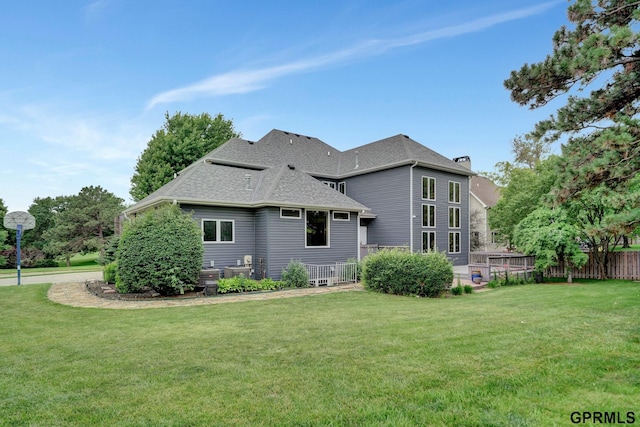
(108, 291)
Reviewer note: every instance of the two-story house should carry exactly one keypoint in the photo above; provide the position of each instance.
(290, 196)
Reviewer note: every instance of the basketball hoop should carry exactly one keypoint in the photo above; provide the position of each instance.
(19, 221)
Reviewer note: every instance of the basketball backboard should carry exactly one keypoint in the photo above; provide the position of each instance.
(13, 219)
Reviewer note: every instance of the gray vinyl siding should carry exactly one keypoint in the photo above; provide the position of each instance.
(386, 193)
(262, 243)
(287, 238)
(227, 254)
(442, 212)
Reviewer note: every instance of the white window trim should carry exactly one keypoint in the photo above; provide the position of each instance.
(435, 186)
(330, 184)
(455, 208)
(340, 219)
(291, 217)
(459, 242)
(435, 241)
(342, 187)
(218, 234)
(435, 209)
(328, 245)
(459, 192)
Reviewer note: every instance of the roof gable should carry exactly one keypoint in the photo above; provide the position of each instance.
(485, 190)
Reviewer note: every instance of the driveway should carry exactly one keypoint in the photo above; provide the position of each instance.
(52, 278)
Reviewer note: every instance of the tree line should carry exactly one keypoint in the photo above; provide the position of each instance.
(588, 196)
(86, 222)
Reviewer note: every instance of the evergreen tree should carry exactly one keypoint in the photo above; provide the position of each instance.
(595, 64)
(83, 223)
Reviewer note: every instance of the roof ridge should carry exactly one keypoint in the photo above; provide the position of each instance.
(256, 191)
(276, 181)
(405, 145)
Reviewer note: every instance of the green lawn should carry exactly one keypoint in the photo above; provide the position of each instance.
(518, 356)
(79, 263)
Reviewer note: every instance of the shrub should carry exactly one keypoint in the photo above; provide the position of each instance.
(468, 289)
(162, 250)
(493, 284)
(30, 257)
(242, 284)
(295, 275)
(456, 290)
(109, 272)
(398, 272)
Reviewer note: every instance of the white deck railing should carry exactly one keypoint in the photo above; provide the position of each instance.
(332, 274)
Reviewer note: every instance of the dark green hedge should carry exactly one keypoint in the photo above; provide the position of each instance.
(399, 272)
(162, 250)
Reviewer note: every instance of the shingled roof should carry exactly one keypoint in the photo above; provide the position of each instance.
(315, 157)
(206, 183)
(485, 191)
(280, 168)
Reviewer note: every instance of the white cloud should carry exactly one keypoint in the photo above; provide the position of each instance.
(246, 80)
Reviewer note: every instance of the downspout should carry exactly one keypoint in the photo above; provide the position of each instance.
(468, 193)
(411, 216)
(358, 236)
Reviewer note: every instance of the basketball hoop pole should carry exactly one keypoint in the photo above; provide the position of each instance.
(18, 238)
(19, 221)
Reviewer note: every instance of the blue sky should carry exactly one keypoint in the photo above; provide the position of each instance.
(85, 84)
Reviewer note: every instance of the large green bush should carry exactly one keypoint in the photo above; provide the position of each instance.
(162, 250)
(398, 272)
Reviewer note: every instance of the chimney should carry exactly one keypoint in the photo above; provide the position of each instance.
(463, 161)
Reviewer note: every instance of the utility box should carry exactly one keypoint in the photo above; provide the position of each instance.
(209, 280)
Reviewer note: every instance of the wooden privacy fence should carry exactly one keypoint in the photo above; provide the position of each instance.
(621, 265)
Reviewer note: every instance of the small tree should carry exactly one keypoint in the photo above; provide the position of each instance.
(547, 234)
(161, 250)
(295, 275)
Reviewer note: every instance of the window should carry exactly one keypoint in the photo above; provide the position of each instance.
(330, 184)
(290, 213)
(454, 217)
(454, 242)
(342, 187)
(217, 231)
(454, 192)
(428, 188)
(428, 215)
(341, 216)
(317, 228)
(428, 241)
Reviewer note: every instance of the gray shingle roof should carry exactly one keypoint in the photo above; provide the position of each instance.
(220, 177)
(485, 190)
(313, 156)
(207, 183)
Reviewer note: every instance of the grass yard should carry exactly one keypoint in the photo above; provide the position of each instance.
(79, 263)
(518, 356)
